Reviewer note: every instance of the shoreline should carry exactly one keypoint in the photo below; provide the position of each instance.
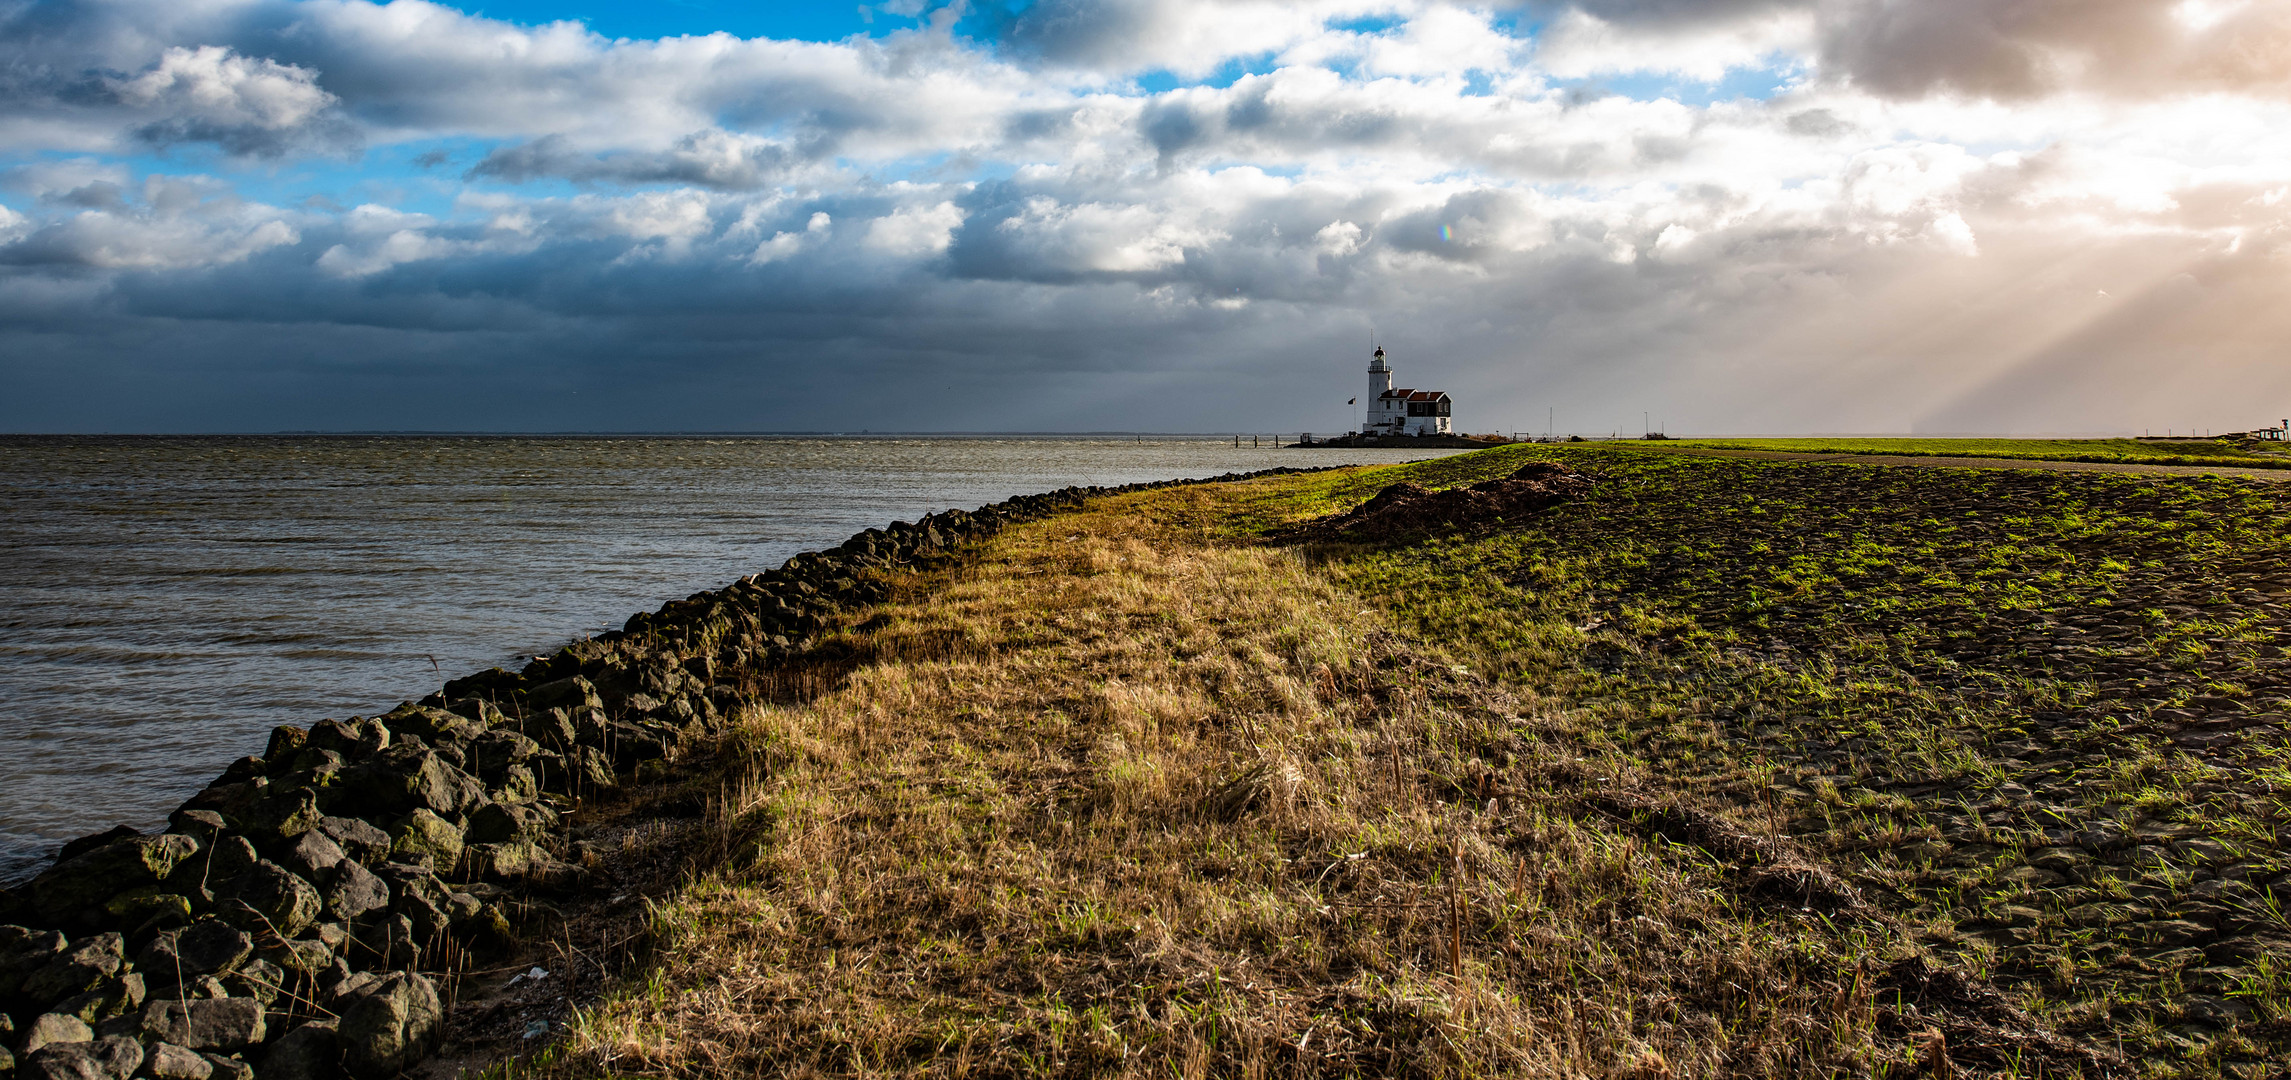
(308, 912)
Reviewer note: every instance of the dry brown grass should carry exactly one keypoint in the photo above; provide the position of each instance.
(1114, 799)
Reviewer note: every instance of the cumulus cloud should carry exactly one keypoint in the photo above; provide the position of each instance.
(177, 225)
(246, 105)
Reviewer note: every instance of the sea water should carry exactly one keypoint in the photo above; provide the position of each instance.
(164, 602)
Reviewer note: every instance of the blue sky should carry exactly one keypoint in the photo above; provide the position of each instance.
(1151, 214)
(670, 18)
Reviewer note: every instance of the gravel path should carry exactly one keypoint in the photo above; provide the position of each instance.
(1985, 463)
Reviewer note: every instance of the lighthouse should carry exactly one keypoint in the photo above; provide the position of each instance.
(1402, 411)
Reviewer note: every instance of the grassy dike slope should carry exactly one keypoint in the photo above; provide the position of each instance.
(2225, 451)
(1734, 768)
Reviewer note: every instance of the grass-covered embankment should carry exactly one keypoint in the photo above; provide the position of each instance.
(1132, 791)
(2039, 716)
(2233, 452)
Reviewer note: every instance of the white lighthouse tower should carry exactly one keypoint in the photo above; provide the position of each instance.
(1402, 412)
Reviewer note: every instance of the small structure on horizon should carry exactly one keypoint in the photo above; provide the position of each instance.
(1402, 411)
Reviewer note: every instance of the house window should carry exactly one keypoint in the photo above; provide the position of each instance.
(1443, 406)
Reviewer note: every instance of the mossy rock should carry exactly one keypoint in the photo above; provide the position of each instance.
(424, 833)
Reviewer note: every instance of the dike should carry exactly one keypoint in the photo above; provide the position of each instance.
(293, 920)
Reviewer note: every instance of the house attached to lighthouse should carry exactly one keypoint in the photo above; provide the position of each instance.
(1402, 411)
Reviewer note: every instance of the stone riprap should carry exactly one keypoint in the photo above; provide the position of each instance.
(282, 925)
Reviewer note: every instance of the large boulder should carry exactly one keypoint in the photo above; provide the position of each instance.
(425, 833)
(53, 1028)
(229, 1068)
(167, 1061)
(391, 1027)
(76, 848)
(492, 684)
(518, 783)
(357, 839)
(551, 728)
(579, 771)
(312, 855)
(354, 891)
(388, 942)
(479, 711)
(310, 767)
(285, 740)
(270, 813)
(204, 824)
(491, 754)
(148, 908)
(76, 970)
(310, 1052)
(222, 1024)
(207, 947)
(23, 952)
(496, 823)
(435, 725)
(225, 857)
(502, 861)
(259, 979)
(353, 739)
(424, 900)
(114, 996)
(406, 778)
(570, 694)
(303, 956)
(279, 901)
(630, 743)
(114, 1057)
(73, 891)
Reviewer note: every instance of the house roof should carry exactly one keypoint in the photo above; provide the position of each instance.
(1414, 395)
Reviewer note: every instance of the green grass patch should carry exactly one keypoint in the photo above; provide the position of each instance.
(2234, 452)
(2040, 714)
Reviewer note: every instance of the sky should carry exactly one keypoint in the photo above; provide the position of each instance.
(1708, 216)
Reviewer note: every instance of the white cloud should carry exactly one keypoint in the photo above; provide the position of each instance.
(1192, 37)
(212, 85)
(1579, 44)
(787, 245)
(1427, 167)
(116, 241)
(912, 231)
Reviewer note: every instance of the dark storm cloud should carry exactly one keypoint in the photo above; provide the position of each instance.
(1079, 32)
(2025, 48)
(2007, 49)
(708, 159)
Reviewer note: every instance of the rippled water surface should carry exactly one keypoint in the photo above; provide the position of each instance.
(165, 601)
